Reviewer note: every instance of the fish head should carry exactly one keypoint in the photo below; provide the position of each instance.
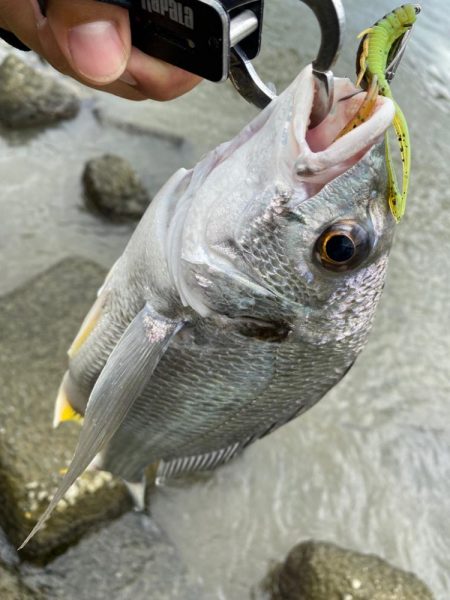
(292, 223)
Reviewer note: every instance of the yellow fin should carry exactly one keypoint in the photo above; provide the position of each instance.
(63, 408)
(87, 326)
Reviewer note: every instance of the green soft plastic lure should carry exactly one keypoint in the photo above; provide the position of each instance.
(381, 46)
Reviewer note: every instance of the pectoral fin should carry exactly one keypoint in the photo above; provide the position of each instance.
(125, 375)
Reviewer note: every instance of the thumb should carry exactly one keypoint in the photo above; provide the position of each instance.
(94, 37)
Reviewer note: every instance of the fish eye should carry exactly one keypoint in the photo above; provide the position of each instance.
(342, 246)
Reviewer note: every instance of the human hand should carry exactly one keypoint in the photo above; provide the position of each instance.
(90, 41)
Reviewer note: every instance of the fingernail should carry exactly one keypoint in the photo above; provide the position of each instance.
(97, 50)
(126, 77)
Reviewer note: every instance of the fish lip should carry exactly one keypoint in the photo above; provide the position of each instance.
(319, 149)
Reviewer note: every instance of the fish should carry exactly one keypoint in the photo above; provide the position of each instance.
(245, 293)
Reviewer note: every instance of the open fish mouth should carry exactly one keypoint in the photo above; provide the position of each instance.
(318, 154)
(322, 153)
(347, 103)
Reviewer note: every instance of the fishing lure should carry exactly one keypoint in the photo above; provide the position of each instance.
(378, 54)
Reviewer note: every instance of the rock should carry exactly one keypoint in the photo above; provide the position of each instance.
(11, 588)
(113, 187)
(37, 324)
(29, 99)
(323, 571)
(128, 559)
(8, 554)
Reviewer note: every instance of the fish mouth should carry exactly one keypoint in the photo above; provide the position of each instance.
(322, 152)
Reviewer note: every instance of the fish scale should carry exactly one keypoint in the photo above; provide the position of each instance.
(192, 415)
(195, 405)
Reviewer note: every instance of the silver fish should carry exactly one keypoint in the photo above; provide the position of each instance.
(244, 295)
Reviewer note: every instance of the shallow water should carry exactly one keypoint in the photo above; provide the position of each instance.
(43, 213)
(369, 467)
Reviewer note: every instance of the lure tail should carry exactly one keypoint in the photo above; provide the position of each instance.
(379, 54)
(397, 199)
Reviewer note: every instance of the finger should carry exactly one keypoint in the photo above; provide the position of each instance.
(157, 79)
(51, 51)
(122, 89)
(98, 47)
(144, 77)
(24, 19)
(19, 17)
(93, 37)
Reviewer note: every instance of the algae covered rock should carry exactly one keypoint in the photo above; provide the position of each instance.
(30, 99)
(112, 186)
(37, 324)
(324, 571)
(131, 558)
